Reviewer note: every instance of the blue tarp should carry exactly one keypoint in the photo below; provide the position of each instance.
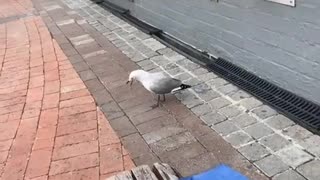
(221, 172)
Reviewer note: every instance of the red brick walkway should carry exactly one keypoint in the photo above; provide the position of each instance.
(50, 126)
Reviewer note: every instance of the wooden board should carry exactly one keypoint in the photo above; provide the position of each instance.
(143, 173)
(164, 172)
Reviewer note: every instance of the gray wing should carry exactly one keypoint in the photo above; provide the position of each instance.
(165, 85)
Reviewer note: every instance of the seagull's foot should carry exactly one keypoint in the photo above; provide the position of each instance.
(155, 106)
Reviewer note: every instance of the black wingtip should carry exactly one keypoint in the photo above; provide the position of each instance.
(184, 86)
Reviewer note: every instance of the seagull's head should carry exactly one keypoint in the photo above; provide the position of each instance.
(135, 75)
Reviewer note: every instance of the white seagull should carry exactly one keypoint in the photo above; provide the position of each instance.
(157, 83)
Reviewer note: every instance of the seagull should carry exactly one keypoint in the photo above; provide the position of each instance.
(157, 83)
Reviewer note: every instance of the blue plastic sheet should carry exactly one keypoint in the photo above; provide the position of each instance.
(221, 172)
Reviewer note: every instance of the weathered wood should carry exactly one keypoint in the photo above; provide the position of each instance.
(143, 173)
(164, 172)
(125, 175)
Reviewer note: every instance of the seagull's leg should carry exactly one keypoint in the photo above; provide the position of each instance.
(158, 100)
(164, 97)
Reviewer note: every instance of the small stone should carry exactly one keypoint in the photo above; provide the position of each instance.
(225, 128)
(213, 118)
(219, 103)
(294, 156)
(201, 109)
(288, 175)
(228, 88)
(310, 170)
(279, 122)
(258, 130)
(264, 112)
(275, 142)
(238, 138)
(250, 103)
(254, 151)
(271, 165)
(230, 111)
(244, 120)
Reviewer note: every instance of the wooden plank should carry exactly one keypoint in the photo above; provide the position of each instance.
(125, 175)
(164, 172)
(143, 173)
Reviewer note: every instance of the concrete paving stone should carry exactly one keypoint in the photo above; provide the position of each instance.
(244, 120)
(312, 145)
(264, 112)
(146, 159)
(148, 116)
(219, 102)
(238, 138)
(201, 109)
(275, 142)
(288, 175)
(297, 132)
(175, 71)
(258, 130)
(87, 75)
(207, 76)
(153, 44)
(186, 151)
(162, 133)
(192, 82)
(65, 22)
(188, 99)
(172, 142)
(228, 88)
(225, 128)
(101, 97)
(80, 66)
(271, 165)
(239, 95)
(279, 122)
(230, 111)
(293, 156)
(217, 82)
(94, 85)
(123, 126)
(205, 92)
(310, 170)
(156, 124)
(254, 151)
(213, 118)
(112, 110)
(75, 59)
(135, 144)
(195, 165)
(170, 66)
(200, 71)
(160, 60)
(183, 76)
(250, 103)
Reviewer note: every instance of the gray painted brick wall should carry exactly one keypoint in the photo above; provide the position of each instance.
(279, 43)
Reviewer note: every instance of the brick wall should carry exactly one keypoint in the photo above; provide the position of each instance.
(277, 42)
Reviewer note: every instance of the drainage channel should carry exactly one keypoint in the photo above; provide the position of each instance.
(298, 109)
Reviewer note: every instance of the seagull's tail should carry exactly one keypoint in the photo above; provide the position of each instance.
(181, 87)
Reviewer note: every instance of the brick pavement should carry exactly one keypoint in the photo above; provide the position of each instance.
(50, 126)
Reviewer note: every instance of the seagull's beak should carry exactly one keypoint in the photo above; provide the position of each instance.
(130, 83)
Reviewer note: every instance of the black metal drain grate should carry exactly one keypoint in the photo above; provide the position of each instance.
(296, 108)
(302, 111)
